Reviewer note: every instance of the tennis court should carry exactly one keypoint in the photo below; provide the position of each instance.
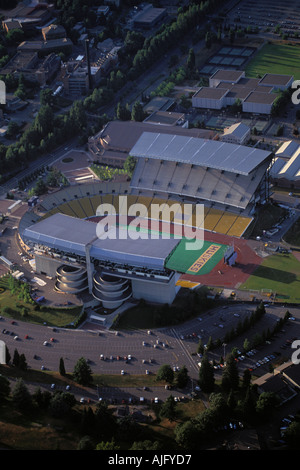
(196, 262)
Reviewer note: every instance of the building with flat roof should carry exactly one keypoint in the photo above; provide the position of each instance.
(149, 17)
(276, 81)
(226, 76)
(211, 98)
(53, 31)
(46, 47)
(256, 95)
(33, 68)
(259, 103)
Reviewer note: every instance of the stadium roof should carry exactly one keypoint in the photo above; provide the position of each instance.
(71, 235)
(147, 252)
(62, 232)
(206, 153)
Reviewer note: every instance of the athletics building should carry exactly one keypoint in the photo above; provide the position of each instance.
(84, 237)
(257, 95)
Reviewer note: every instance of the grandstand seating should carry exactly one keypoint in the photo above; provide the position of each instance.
(82, 200)
(201, 183)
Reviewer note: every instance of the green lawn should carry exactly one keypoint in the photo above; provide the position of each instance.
(53, 316)
(279, 272)
(275, 58)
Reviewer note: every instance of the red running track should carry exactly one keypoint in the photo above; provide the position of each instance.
(223, 275)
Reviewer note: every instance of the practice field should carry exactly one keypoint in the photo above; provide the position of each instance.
(275, 58)
(196, 262)
(279, 274)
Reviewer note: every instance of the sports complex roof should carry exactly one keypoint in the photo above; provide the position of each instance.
(71, 235)
(192, 150)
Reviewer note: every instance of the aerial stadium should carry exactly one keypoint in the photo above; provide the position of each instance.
(102, 240)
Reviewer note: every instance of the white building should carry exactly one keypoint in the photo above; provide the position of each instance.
(285, 170)
(238, 133)
(227, 86)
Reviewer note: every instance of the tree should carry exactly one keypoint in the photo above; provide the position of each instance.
(166, 373)
(82, 372)
(123, 112)
(59, 406)
(129, 165)
(107, 445)
(191, 60)
(62, 369)
(182, 377)
(4, 388)
(266, 404)
(187, 435)
(145, 445)
(86, 443)
(137, 113)
(21, 396)
(47, 97)
(292, 435)
(206, 375)
(43, 122)
(168, 409)
(246, 378)
(230, 375)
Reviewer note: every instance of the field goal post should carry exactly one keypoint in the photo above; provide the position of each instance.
(266, 292)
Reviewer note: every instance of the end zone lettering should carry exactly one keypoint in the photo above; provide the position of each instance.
(202, 260)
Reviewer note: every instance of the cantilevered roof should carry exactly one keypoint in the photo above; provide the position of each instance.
(206, 153)
(71, 235)
(62, 232)
(145, 252)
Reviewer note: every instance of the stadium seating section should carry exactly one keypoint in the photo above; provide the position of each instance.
(82, 201)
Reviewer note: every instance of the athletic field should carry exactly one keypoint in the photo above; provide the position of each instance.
(275, 58)
(279, 274)
(196, 262)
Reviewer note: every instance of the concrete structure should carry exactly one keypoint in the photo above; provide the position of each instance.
(2, 352)
(29, 17)
(71, 279)
(226, 76)
(238, 133)
(285, 170)
(149, 17)
(232, 176)
(46, 47)
(32, 67)
(227, 86)
(259, 103)
(53, 31)
(111, 146)
(276, 81)
(113, 270)
(210, 98)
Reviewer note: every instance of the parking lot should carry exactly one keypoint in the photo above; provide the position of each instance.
(141, 352)
(267, 15)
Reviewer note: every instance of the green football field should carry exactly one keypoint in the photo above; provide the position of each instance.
(275, 58)
(196, 262)
(280, 274)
